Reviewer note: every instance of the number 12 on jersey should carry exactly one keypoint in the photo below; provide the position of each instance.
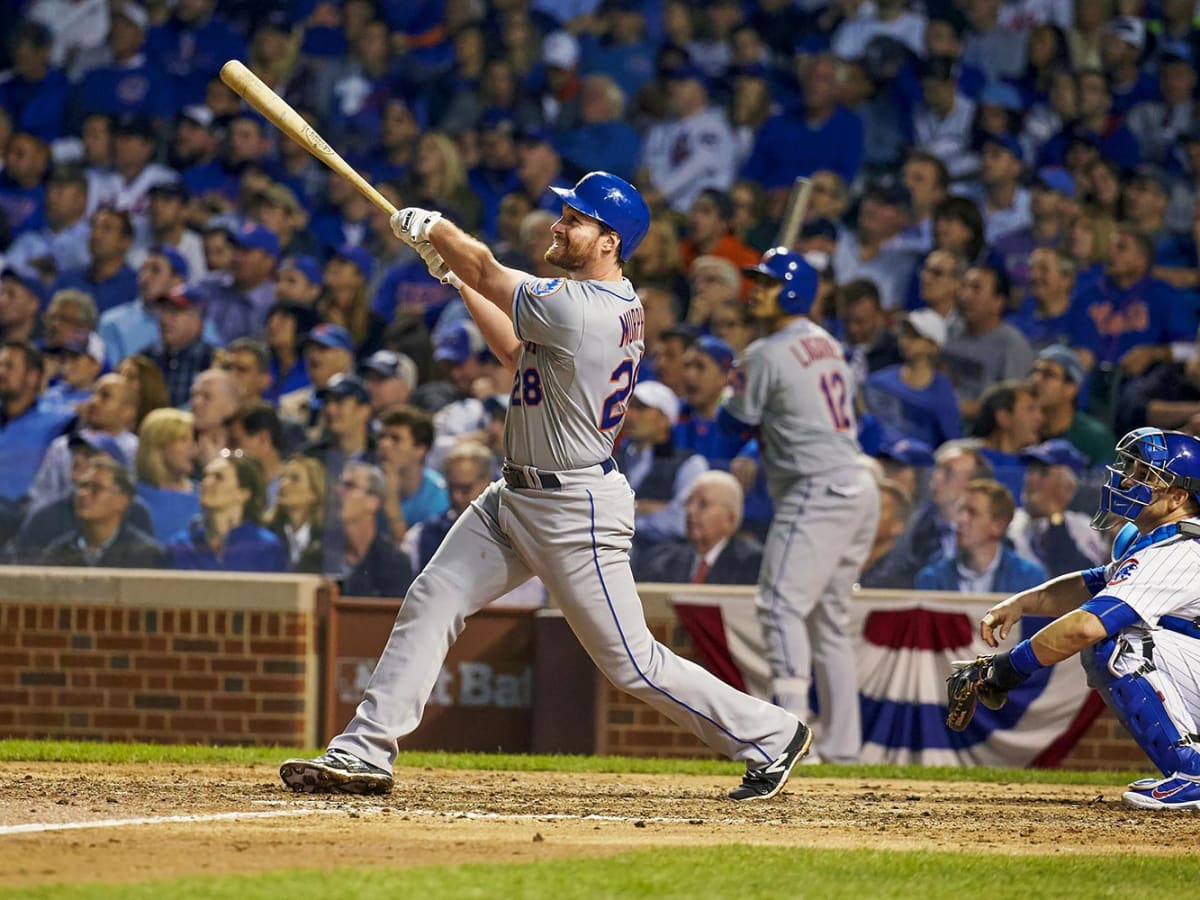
(833, 386)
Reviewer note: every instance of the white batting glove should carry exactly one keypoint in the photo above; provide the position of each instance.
(453, 280)
(433, 260)
(412, 224)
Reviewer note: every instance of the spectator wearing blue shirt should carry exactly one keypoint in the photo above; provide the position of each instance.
(220, 179)
(1051, 209)
(33, 93)
(130, 83)
(982, 562)
(1096, 128)
(192, 46)
(79, 359)
(61, 244)
(1009, 420)
(1121, 50)
(166, 457)
(26, 429)
(602, 139)
(821, 135)
(1047, 316)
(108, 279)
(406, 436)
(287, 324)
(227, 536)
(496, 174)
(622, 51)
(913, 399)
(1137, 317)
(22, 182)
(239, 306)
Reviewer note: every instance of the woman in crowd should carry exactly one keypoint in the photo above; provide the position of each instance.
(344, 300)
(1091, 235)
(298, 516)
(147, 381)
(438, 180)
(165, 457)
(227, 535)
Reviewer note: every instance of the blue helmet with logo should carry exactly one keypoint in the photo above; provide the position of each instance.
(1147, 460)
(614, 202)
(798, 278)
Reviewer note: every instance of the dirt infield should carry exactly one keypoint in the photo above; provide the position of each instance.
(455, 817)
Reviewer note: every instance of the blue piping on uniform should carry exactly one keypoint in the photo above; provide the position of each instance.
(637, 668)
(775, 593)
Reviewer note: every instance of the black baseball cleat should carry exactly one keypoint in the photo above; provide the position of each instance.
(335, 772)
(764, 783)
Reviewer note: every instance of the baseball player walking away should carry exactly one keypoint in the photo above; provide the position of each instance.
(1135, 622)
(561, 511)
(796, 386)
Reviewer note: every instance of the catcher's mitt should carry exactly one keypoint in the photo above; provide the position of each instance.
(972, 680)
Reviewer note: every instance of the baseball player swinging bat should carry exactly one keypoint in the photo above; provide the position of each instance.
(279, 112)
(793, 219)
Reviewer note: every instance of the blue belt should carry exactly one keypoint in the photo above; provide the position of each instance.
(523, 478)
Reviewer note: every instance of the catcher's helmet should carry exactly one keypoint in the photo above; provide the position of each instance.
(1147, 460)
(614, 202)
(798, 278)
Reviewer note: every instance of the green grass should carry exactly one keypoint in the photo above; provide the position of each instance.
(85, 752)
(710, 872)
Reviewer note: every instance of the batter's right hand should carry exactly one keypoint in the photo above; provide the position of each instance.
(998, 621)
(433, 260)
(412, 224)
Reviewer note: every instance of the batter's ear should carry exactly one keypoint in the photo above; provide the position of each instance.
(609, 240)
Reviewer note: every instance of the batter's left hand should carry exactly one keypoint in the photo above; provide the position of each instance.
(413, 224)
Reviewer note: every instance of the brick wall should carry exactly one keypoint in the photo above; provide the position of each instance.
(158, 657)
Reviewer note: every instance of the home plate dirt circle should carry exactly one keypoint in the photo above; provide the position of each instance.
(69, 823)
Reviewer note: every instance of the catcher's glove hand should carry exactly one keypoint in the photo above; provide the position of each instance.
(412, 224)
(971, 681)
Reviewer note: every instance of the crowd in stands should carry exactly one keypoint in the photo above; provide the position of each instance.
(215, 355)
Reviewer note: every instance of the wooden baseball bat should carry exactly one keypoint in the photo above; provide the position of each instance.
(280, 113)
(793, 219)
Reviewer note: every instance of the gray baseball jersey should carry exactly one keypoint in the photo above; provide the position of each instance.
(582, 344)
(796, 385)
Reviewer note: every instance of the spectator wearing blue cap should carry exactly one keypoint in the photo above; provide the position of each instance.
(181, 353)
(913, 399)
(192, 46)
(26, 429)
(61, 243)
(457, 351)
(328, 351)
(129, 83)
(1159, 123)
(77, 359)
(706, 367)
(1003, 202)
(943, 117)
(108, 279)
(694, 148)
(1044, 526)
(34, 92)
(903, 460)
(22, 296)
(108, 417)
(1056, 378)
(1052, 209)
(22, 182)
(132, 327)
(167, 226)
(820, 135)
(345, 301)
(239, 306)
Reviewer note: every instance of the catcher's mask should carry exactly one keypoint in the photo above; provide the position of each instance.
(1148, 461)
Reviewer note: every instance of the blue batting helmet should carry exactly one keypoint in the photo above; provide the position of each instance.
(798, 278)
(1147, 460)
(614, 202)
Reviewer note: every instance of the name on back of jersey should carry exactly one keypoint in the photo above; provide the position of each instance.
(814, 348)
(633, 326)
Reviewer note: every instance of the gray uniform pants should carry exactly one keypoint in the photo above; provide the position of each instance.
(822, 531)
(577, 541)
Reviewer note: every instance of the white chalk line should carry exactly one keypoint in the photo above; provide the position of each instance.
(395, 812)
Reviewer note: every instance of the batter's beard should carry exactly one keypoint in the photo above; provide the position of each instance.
(569, 257)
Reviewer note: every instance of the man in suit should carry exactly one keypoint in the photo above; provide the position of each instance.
(713, 552)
